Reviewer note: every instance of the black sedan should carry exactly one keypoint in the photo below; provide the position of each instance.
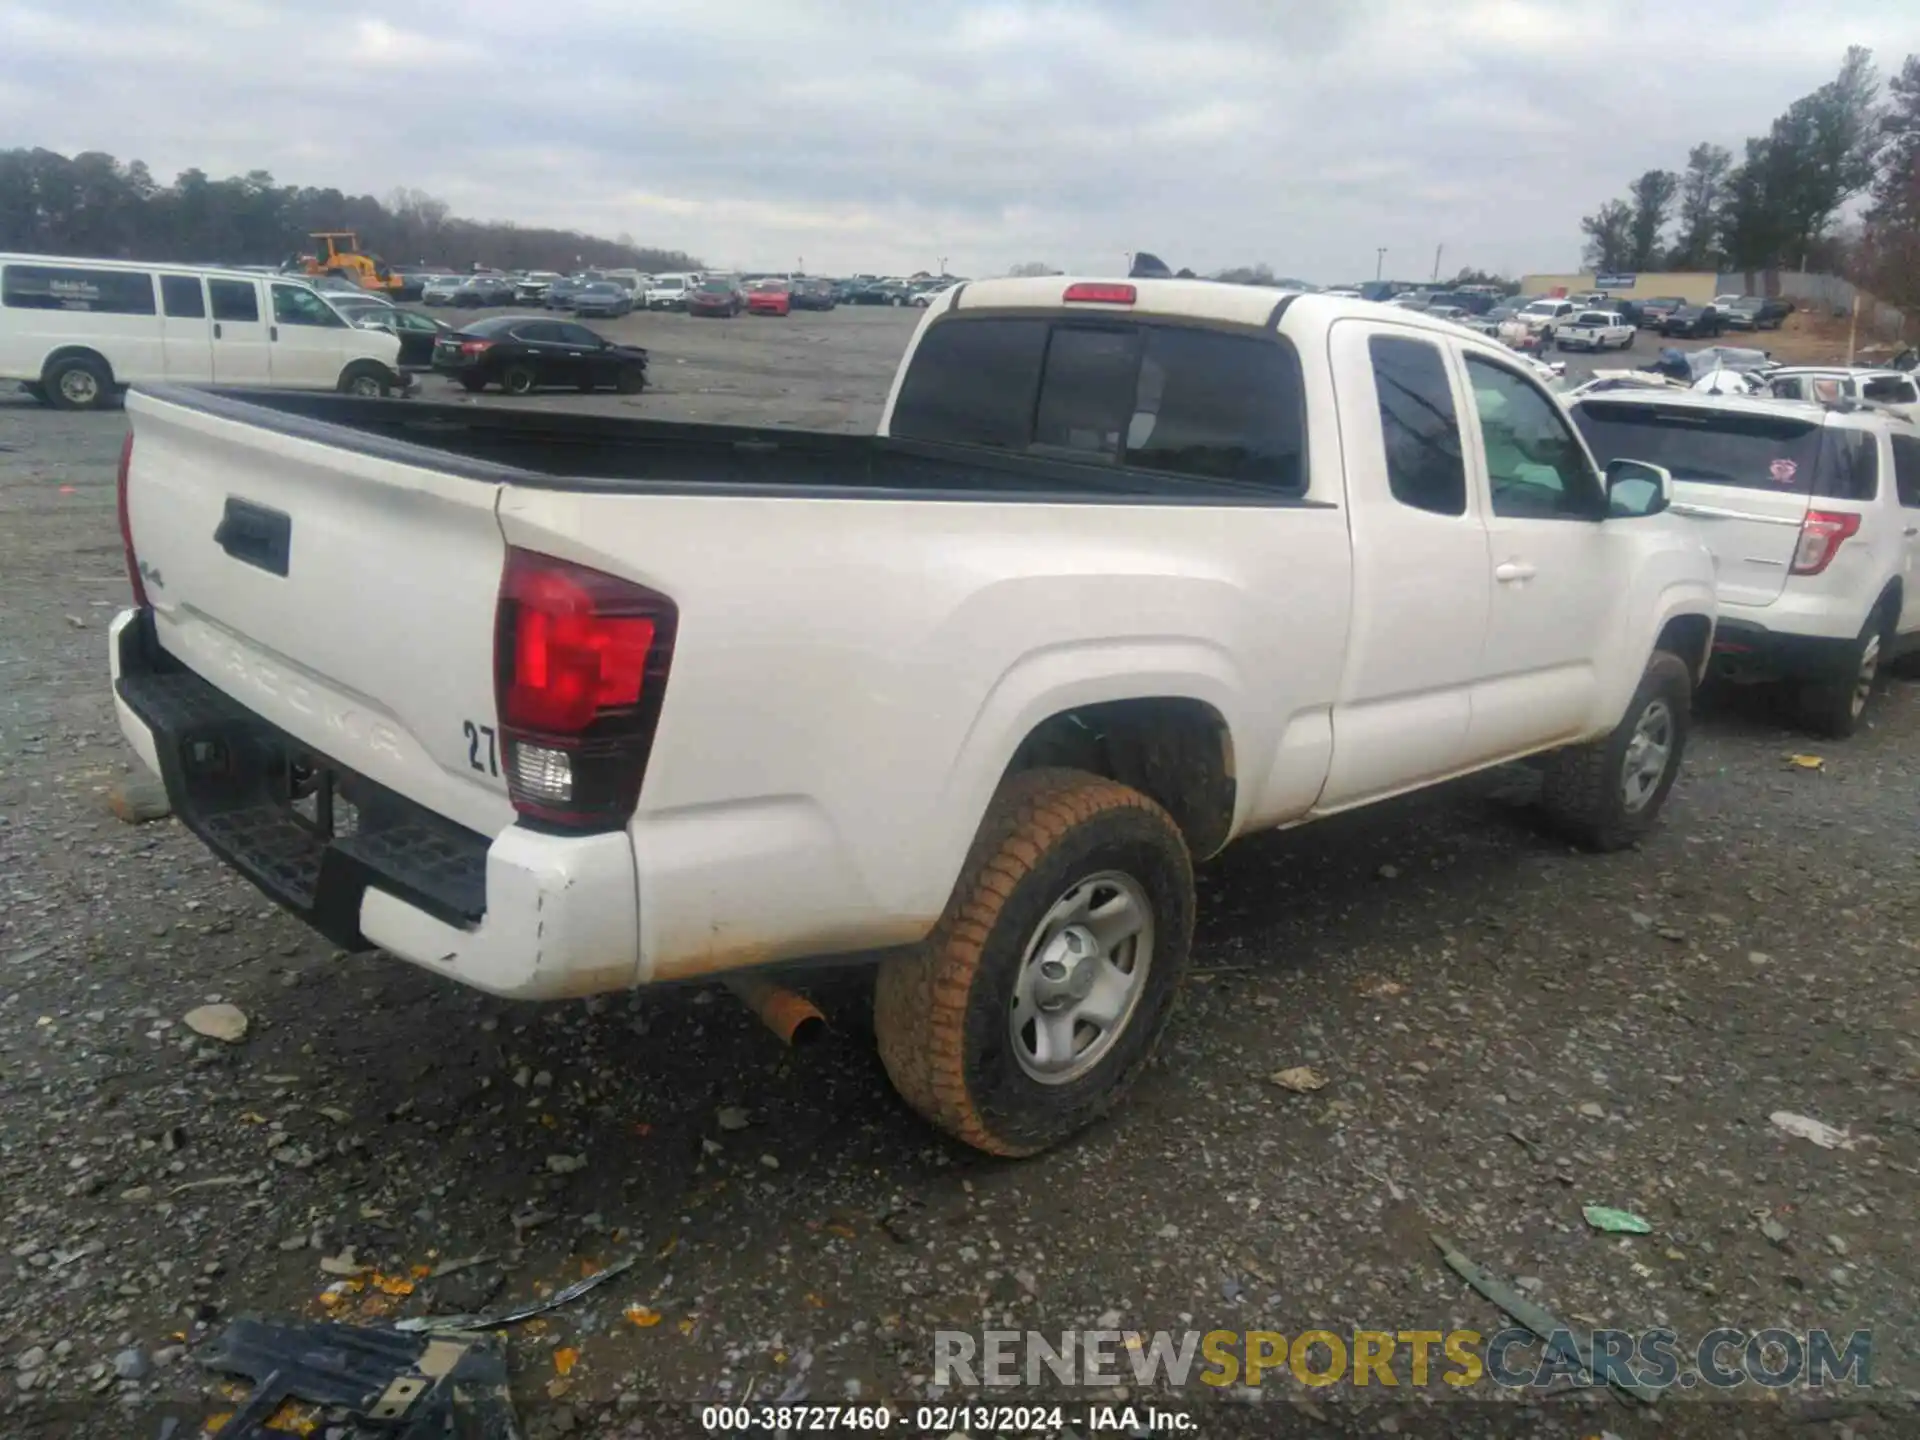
(1696, 320)
(521, 353)
(478, 291)
(1757, 312)
(886, 292)
(602, 297)
(418, 333)
(810, 293)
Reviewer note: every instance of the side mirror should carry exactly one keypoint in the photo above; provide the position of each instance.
(1636, 489)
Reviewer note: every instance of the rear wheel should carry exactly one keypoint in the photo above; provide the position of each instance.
(1835, 707)
(1037, 1000)
(517, 379)
(79, 382)
(1606, 794)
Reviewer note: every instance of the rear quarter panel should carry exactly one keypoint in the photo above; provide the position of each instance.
(852, 677)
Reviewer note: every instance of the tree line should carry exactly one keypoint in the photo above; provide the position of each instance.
(1779, 204)
(93, 205)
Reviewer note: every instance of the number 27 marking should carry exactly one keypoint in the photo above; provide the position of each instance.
(474, 732)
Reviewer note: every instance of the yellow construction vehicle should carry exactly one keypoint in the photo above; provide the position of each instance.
(337, 252)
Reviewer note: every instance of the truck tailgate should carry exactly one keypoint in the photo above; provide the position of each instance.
(346, 598)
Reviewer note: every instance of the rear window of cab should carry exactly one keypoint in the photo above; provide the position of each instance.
(1167, 398)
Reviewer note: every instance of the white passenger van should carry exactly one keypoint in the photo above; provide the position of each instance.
(75, 333)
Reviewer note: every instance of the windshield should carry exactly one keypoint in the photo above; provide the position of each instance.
(1543, 307)
(1711, 447)
(717, 287)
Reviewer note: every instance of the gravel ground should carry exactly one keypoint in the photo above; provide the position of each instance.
(1507, 1030)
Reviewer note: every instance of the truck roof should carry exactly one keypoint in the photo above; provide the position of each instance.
(1253, 305)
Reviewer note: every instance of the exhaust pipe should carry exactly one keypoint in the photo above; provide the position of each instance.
(793, 1017)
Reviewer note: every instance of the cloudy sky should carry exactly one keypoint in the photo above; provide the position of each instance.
(884, 136)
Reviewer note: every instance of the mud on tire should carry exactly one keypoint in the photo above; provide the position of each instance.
(1586, 793)
(944, 1012)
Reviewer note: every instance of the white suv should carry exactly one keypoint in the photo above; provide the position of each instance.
(1813, 515)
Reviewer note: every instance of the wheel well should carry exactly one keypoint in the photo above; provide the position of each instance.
(1177, 751)
(75, 352)
(1687, 636)
(1890, 603)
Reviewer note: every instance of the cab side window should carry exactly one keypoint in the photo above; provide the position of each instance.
(1418, 426)
(1535, 466)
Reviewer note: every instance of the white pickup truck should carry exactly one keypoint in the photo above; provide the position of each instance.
(556, 704)
(1595, 330)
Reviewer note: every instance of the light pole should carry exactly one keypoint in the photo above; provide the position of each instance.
(943, 267)
(1436, 259)
(1379, 259)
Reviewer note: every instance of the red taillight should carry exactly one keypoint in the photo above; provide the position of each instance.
(1821, 535)
(126, 522)
(474, 347)
(580, 661)
(1087, 293)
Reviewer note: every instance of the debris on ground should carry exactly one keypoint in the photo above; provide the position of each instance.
(1300, 1079)
(226, 1023)
(1563, 1339)
(1805, 1127)
(442, 1324)
(139, 798)
(1615, 1222)
(1807, 762)
(411, 1387)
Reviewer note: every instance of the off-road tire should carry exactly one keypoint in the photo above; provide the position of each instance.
(1581, 792)
(62, 397)
(518, 379)
(941, 1010)
(1826, 707)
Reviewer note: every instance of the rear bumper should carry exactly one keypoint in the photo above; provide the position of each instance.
(1744, 650)
(524, 914)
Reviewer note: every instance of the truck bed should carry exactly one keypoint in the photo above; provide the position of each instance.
(526, 446)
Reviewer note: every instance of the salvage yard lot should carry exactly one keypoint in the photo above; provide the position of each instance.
(1508, 1031)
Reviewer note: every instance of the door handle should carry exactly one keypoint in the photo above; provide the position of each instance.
(216, 331)
(1911, 531)
(1513, 570)
(273, 332)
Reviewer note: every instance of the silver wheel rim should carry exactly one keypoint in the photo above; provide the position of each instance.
(1869, 671)
(364, 385)
(79, 386)
(1648, 754)
(1081, 978)
(518, 383)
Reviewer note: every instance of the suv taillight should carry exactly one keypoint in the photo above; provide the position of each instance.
(1821, 535)
(126, 522)
(580, 669)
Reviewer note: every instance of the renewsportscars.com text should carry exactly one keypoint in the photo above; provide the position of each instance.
(1721, 1359)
